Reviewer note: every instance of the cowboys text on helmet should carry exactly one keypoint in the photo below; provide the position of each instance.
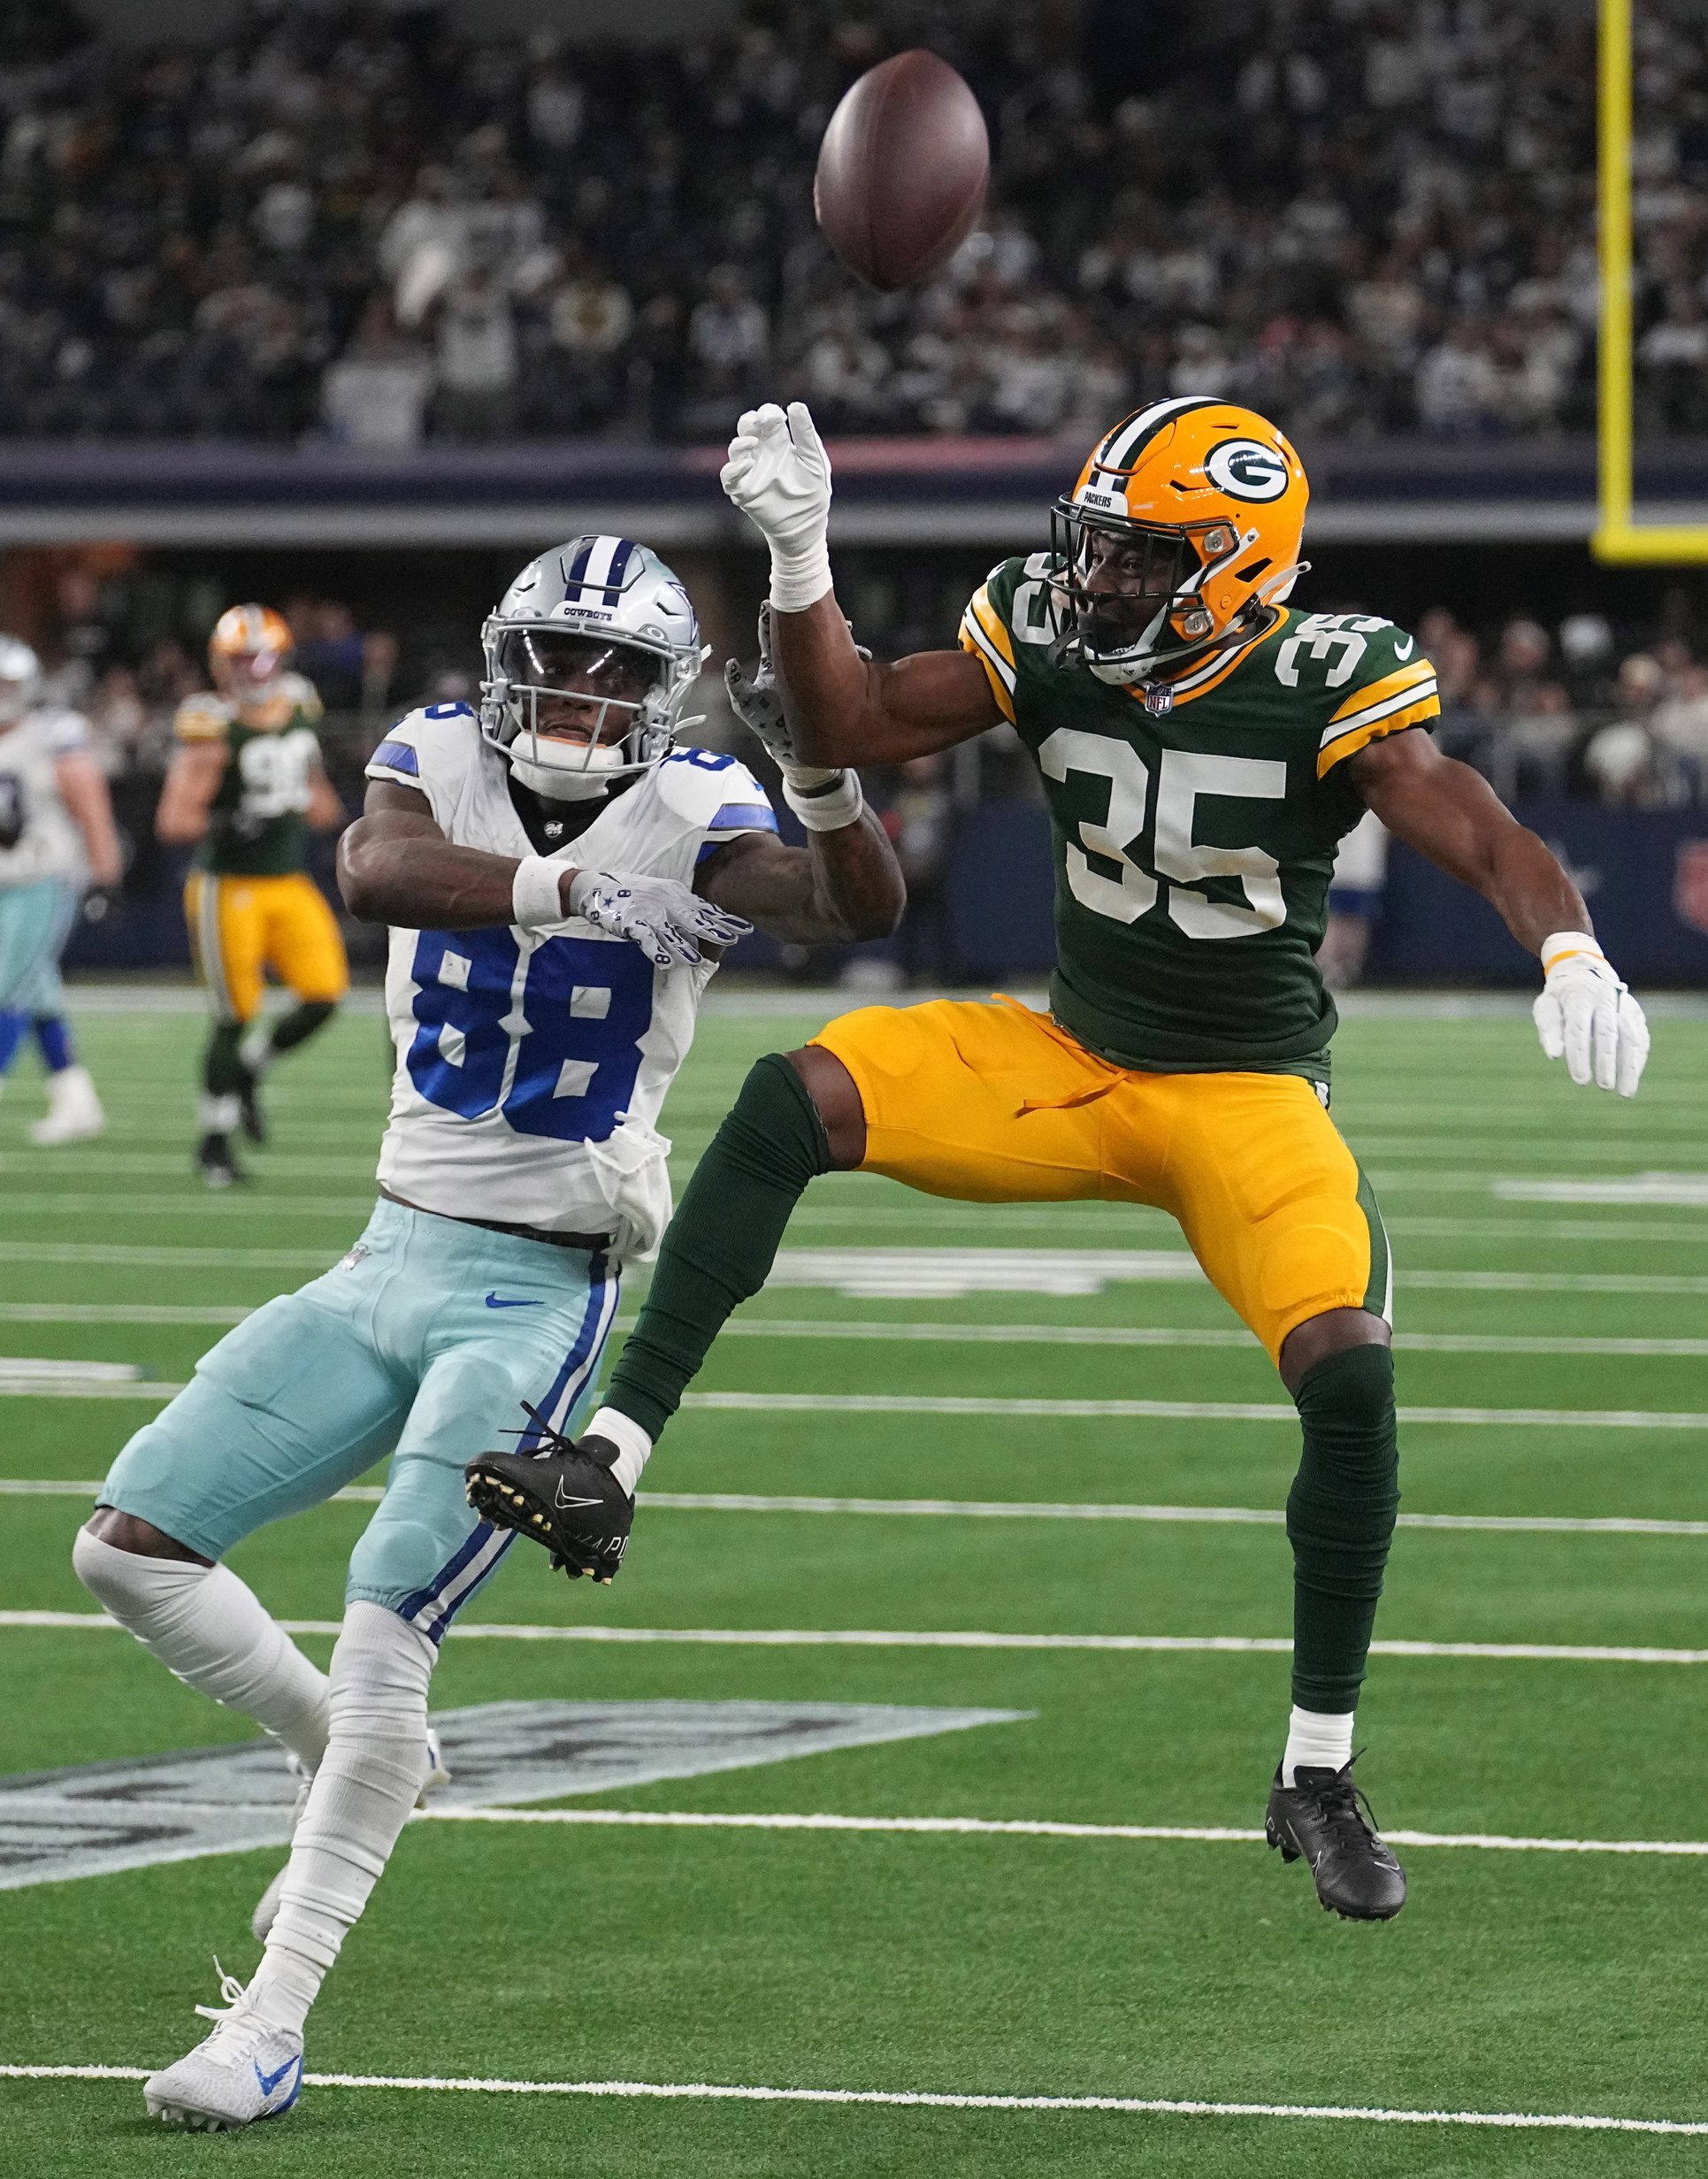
(1182, 533)
(590, 659)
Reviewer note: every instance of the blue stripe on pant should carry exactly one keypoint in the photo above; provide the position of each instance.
(397, 1351)
(432, 1607)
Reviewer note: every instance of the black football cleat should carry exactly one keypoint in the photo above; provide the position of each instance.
(248, 1106)
(563, 1495)
(216, 1165)
(1325, 1820)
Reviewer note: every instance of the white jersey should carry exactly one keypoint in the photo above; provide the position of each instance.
(38, 835)
(530, 1066)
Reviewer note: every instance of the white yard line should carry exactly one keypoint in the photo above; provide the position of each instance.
(1088, 1220)
(849, 1638)
(1170, 1410)
(906, 1331)
(69, 1386)
(1009, 1509)
(1148, 2106)
(879, 1273)
(117, 1312)
(978, 1827)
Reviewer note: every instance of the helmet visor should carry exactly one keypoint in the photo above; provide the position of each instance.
(582, 687)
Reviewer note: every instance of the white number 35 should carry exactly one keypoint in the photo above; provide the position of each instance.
(1182, 777)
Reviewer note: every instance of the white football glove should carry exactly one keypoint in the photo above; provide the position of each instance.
(1586, 1015)
(779, 474)
(668, 921)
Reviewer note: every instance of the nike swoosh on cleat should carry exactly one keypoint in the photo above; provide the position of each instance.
(493, 1301)
(565, 1503)
(270, 2080)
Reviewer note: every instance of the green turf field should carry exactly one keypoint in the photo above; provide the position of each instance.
(1545, 1684)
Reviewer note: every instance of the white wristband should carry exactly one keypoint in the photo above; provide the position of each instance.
(832, 808)
(536, 899)
(799, 577)
(1563, 944)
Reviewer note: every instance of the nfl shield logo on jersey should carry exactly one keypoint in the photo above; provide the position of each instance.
(1159, 701)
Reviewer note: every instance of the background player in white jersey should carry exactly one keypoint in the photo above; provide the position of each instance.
(555, 873)
(56, 838)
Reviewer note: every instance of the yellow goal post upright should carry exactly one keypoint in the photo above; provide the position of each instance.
(1618, 536)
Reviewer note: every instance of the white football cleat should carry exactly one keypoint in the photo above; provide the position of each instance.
(267, 1905)
(75, 1113)
(243, 2071)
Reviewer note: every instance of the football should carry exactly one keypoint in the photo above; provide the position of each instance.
(902, 170)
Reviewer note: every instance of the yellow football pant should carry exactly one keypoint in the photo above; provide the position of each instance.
(996, 1104)
(240, 927)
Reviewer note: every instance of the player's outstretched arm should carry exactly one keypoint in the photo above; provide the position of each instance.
(1450, 813)
(845, 884)
(181, 816)
(83, 789)
(844, 708)
(325, 812)
(396, 866)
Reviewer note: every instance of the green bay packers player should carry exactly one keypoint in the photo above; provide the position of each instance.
(246, 784)
(1203, 746)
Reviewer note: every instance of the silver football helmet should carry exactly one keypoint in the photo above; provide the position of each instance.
(21, 679)
(599, 636)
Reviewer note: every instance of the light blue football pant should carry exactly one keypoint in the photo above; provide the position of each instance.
(35, 921)
(422, 1343)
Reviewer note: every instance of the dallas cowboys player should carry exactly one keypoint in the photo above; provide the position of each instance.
(57, 839)
(557, 875)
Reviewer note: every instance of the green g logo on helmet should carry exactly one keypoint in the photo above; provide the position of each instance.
(1246, 469)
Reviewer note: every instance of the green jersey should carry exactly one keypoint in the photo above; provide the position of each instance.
(257, 824)
(1195, 823)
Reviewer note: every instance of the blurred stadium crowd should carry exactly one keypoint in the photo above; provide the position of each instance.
(1361, 217)
(1579, 709)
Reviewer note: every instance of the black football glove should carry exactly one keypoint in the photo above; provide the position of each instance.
(757, 701)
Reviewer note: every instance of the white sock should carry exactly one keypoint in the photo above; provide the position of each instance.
(256, 1051)
(1319, 1739)
(634, 1448)
(375, 1765)
(212, 1632)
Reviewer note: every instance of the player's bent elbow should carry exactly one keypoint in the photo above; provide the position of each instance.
(881, 919)
(359, 882)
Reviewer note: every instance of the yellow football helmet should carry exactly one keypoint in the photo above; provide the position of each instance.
(248, 649)
(1182, 533)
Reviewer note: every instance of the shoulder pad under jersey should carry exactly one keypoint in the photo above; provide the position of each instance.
(1367, 675)
(430, 750)
(714, 792)
(204, 717)
(1010, 622)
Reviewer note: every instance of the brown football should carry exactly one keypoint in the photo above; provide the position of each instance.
(902, 170)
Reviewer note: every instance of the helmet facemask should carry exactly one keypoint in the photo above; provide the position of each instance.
(1135, 605)
(574, 710)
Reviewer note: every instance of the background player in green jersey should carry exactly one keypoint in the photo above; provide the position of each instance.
(247, 786)
(1203, 746)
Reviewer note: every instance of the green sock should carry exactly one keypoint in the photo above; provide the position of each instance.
(1340, 1521)
(222, 1071)
(298, 1025)
(722, 1241)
